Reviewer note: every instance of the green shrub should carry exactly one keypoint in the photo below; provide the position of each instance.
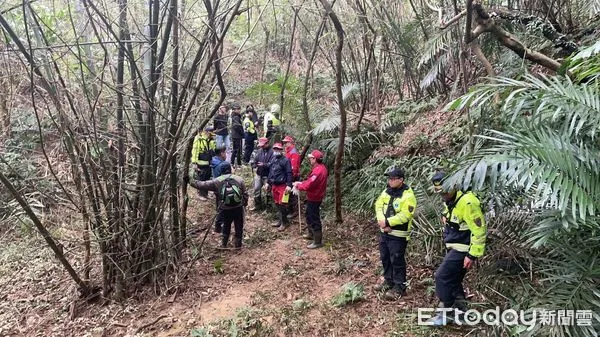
(351, 293)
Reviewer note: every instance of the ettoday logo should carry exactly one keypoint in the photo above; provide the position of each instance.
(510, 317)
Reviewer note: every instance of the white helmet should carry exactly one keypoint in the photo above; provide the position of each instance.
(274, 108)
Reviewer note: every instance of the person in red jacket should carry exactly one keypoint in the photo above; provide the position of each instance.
(292, 154)
(294, 157)
(315, 186)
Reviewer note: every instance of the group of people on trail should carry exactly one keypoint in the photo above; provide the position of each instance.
(464, 236)
(238, 133)
(276, 179)
(276, 171)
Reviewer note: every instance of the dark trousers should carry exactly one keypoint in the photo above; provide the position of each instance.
(219, 218)
(236, 216)
(248, 147)
(391, 252)
(313, 215)
(293, 202)
(236, 153)
(203, 174)
(273, 135)
(449, 277)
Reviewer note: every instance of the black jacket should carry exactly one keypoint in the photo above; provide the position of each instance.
(264, 157)
(220, 124)
(237, 129)
(280, 172)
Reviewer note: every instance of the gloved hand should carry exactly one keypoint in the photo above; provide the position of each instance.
(266, 187)
(296, 183)
(295, 191)
(186, 179)
(288, 189)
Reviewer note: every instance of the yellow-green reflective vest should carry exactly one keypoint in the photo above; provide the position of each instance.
(398, 215)
(466, 229)
(249, 126)
(202, 149)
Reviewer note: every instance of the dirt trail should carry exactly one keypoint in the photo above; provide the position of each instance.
(274, 286)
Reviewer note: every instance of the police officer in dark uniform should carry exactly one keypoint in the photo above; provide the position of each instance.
(394, 210)
(464, 235)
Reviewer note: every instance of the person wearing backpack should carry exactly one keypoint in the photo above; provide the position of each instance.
(232, 198)
(280, 180)
(217, 164)
(203, 149)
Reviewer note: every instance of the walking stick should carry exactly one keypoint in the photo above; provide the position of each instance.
(299, 214)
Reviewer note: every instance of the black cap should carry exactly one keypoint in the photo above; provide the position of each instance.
(437, 180)
(395, 173)
(438, 177)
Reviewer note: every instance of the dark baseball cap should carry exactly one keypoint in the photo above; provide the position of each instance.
(395, 173)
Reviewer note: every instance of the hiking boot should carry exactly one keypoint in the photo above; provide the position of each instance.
(385, 286)
(276, 224)
(283, 227)
(438, 320)
(237, 243)
(224, 242)
(394, 294)
(258, 206)
(292, 214)
(202, 198)
(308, 235)
(318, 240)
(218, 228)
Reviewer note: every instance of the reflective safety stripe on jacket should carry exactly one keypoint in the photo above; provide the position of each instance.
(398, 215)
(466, 229)
(202, 150)
(249, 126)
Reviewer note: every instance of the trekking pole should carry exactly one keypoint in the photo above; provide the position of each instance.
(299, 214)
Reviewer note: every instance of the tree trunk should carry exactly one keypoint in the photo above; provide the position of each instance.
(289, 63)
(5, 130)
(58, 252)
(307, 76)
(264, 62)
(343, 118)
(178, 233)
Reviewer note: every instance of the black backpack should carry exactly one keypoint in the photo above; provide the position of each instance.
(231, 193)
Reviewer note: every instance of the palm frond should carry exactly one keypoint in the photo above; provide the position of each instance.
(557, 99)
(563, 174)
(435, 46)
(348, 90)
(328, 124)
(436, 69)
